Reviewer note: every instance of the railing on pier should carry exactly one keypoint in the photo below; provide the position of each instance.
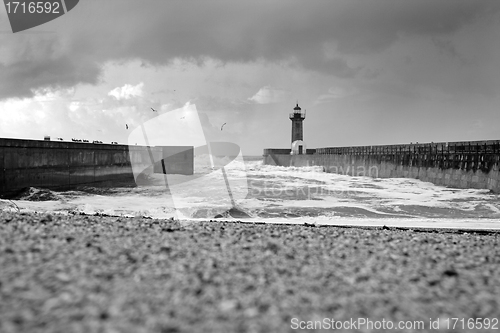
(468, 147)
(469, 155)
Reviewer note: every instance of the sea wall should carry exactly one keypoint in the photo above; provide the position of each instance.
(54, 164)
(472, 164)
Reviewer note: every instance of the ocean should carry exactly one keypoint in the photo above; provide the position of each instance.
(248, 191)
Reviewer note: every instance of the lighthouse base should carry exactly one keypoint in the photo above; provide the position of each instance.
(298, 148)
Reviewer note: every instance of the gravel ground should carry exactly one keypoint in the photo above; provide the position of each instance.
(108, 274)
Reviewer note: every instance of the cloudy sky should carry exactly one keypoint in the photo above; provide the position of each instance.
(367, 72)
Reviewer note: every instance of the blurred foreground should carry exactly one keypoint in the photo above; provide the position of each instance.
(115, 274)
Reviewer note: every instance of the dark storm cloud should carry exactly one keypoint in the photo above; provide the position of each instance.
(39, 61)
(20, 78)
(156, 31)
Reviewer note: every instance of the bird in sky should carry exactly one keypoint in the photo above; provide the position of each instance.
(126, 126)
(222, 126)
(153, 110)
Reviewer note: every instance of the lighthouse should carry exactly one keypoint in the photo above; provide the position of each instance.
(297, 117)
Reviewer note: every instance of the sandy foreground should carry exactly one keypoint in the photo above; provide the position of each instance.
(109, 274)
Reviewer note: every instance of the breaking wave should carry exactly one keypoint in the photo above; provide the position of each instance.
(291, 194)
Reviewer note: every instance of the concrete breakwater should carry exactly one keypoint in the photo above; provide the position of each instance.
(53, 164)
(471, 164)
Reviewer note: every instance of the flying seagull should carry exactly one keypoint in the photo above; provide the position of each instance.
(153, 110)
(222, 126)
